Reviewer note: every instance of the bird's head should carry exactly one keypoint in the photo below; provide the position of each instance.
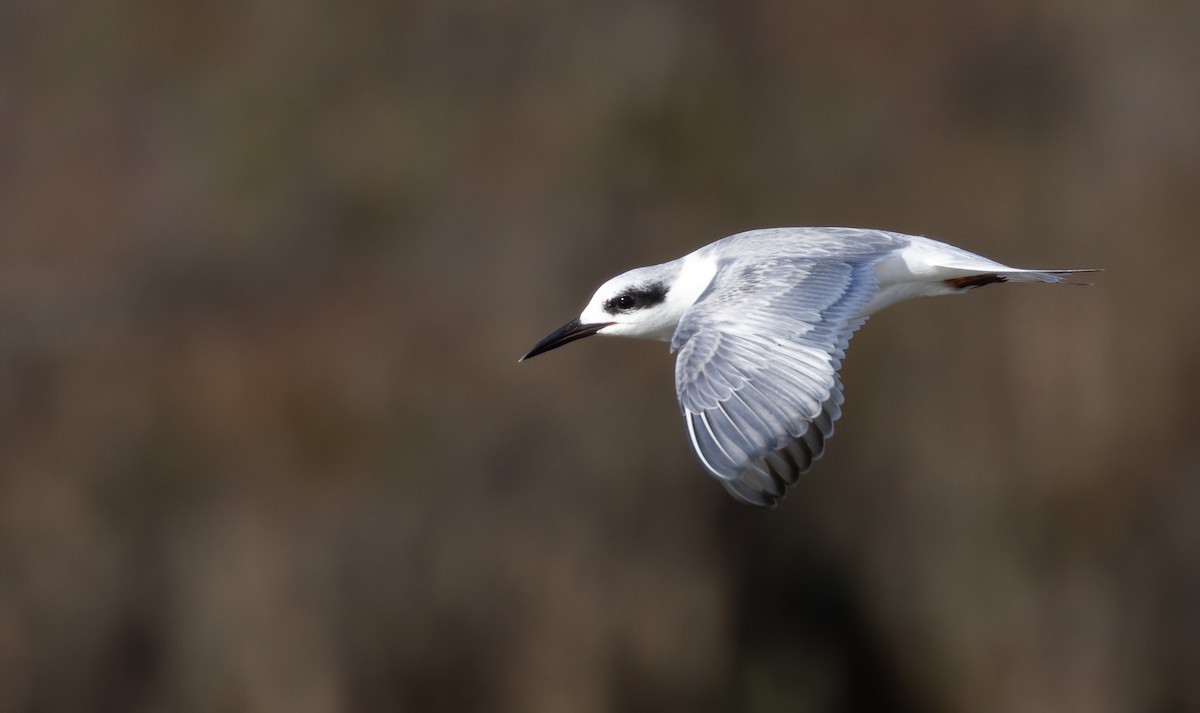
(638, 303)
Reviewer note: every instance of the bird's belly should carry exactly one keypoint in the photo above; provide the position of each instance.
(902, 278)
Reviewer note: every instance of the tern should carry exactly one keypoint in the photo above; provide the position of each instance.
(760, 322)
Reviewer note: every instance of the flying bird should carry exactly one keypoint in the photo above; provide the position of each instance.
(760, 322)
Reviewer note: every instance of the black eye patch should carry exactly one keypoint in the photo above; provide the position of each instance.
(637, 298)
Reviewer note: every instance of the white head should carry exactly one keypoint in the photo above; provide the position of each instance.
(646, 302)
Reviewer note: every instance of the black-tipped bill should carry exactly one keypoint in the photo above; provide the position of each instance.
(565, 334)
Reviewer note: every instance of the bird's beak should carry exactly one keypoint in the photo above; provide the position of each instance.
(565, 334)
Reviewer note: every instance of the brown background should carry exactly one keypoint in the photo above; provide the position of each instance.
(266, 268)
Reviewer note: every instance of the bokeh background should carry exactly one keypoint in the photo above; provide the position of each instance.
(266, 268)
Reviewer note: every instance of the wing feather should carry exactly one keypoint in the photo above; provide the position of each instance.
(757, 368)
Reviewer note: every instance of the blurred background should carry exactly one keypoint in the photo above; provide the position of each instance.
(266, 269)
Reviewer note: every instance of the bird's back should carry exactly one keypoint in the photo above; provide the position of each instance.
(849, 244)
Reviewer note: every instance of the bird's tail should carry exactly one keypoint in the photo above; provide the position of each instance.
(1052, 276)
(1010, 274)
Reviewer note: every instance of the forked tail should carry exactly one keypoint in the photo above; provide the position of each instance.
(1015, 275)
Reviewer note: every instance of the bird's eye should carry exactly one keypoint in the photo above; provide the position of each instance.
(625, 302)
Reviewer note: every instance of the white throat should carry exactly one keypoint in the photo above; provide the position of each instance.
(694, 274)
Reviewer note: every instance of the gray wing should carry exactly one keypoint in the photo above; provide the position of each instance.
(757, 371)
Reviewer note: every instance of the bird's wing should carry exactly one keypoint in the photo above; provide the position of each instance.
(757, 371)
